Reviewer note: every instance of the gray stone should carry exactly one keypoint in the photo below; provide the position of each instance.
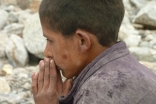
(4, 86)
(27, 86)
(143, 53)
(14, 28)
(18, 71)
(3, 41)
(152, 43)
(16, 51)
(8, 2)
(13, 17)
(149, 38)
(10, 8)
(144, 44)
(3, 18)
(6, 70)
(22, 95)
(127, 5)
(126, 29)
(138, 3)
(150, 65)
(147, 15)
(33, 37)
(133, 40)
(23, 16)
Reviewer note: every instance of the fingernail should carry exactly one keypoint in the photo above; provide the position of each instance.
(36, 74)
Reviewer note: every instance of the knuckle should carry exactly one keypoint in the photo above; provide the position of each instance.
(33, 87)
(41, 69)
(46, 65)
(40, 81)
(46, 77)
(52, 77)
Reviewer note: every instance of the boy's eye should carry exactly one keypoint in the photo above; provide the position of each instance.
(49, 41)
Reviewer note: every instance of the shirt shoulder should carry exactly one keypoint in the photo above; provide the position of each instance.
(116, 84)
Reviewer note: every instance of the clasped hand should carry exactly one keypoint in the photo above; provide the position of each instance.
(47, 85)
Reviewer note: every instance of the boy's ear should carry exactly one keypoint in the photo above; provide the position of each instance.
(84, 40)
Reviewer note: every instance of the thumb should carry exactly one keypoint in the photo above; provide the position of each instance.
(67, 86)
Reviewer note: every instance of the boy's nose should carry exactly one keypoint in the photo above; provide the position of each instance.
(48, 52)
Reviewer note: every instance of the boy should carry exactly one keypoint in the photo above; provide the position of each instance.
(82, 43)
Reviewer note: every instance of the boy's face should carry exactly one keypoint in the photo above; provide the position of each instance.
(64, 51)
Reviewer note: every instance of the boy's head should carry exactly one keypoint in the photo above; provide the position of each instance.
(77, 31)
(99, 17)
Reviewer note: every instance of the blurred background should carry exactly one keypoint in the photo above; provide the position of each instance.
(22, 43)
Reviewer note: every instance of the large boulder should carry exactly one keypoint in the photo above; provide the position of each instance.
(3, 18)
(16, 52)
(147, 15)
(33, 36)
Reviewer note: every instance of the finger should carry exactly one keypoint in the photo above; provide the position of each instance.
(34, 83)
(53, 76)
(41, 76)
(67, 86)
(46, 73)
(59, 82)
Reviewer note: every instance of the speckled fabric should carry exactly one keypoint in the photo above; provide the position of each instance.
(114, 77)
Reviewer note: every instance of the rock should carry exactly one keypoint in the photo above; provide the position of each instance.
(13, 17)
(32, 69)
(3, 18)
(3, 61)
(144, 44)
(6, 70)
(16, 51)
(14, 28)
(33, 37)
(126, 29)
(127, 5)
(8, 2)
(3, 41)
(19, 70)
(34, 6)
(23, 16)
(4, 86)
(10, 8)
(152, 43)
(133, 40)
(143, 53)
(147, 15)
(27, 86)
(22, 95)
(150, 65)
(22, 75)
(24, 4)
(149, 38)
(138, 3)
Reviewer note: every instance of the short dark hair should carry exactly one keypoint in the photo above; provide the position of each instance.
(99, 17)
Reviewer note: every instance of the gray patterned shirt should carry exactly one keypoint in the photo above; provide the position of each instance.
(114, 77)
